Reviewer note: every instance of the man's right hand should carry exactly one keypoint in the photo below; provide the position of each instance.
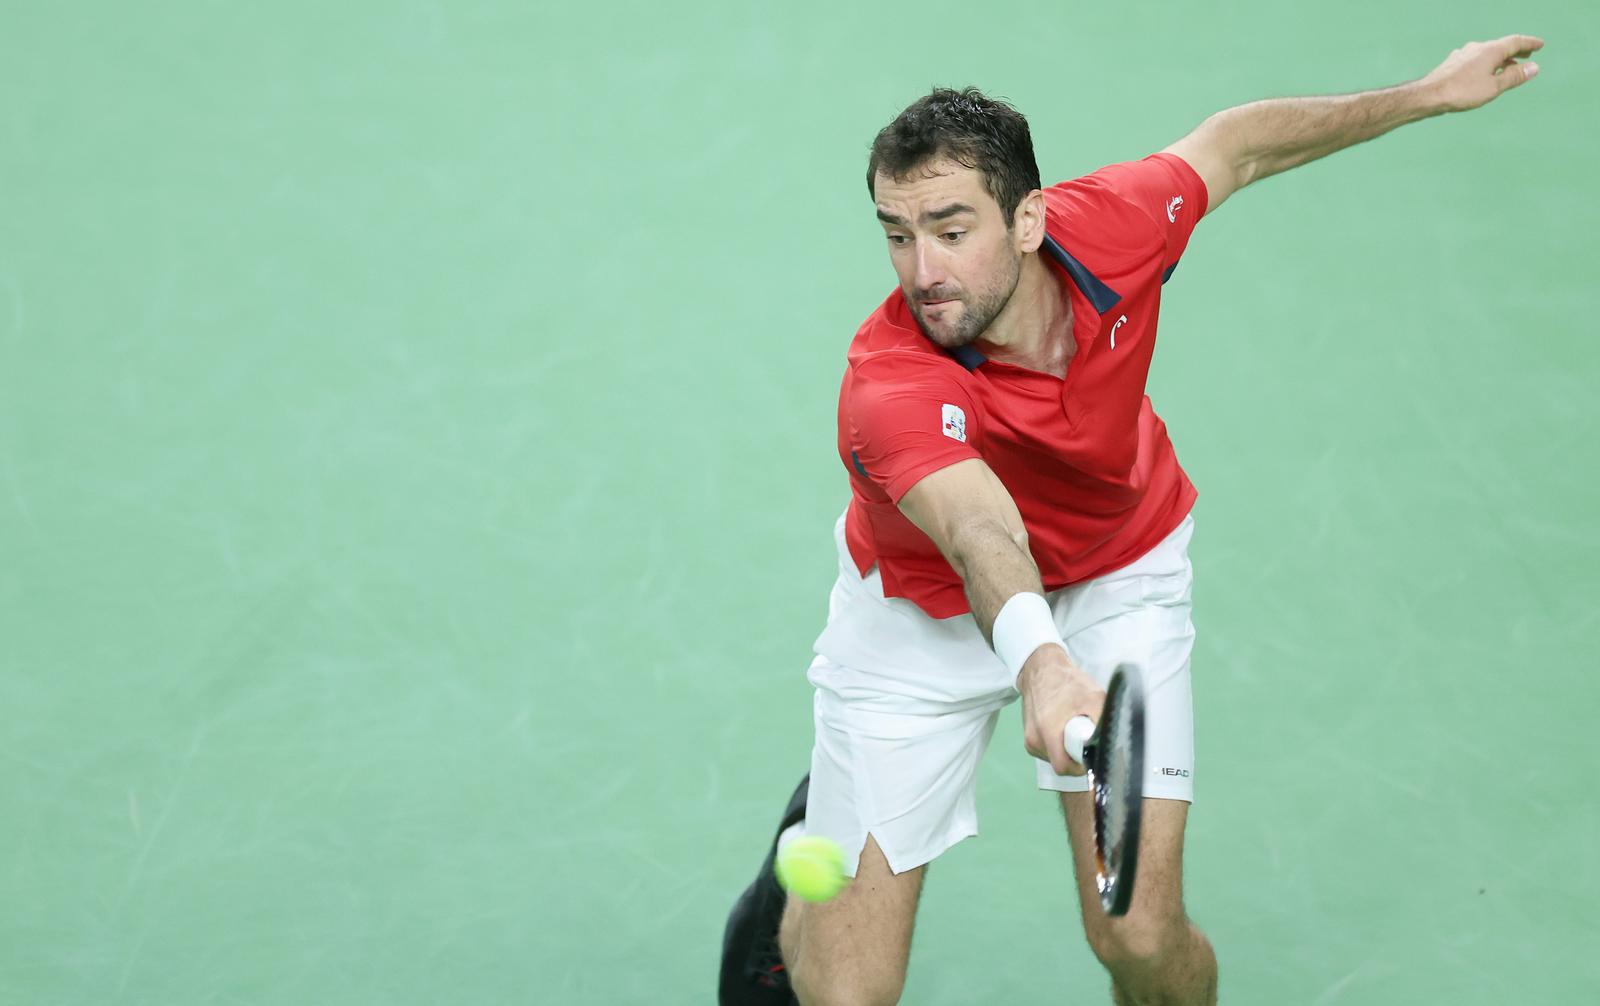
(1054, 690)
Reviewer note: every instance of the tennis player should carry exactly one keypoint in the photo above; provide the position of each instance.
(1018, 522)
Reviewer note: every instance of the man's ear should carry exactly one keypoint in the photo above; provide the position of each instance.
(1028, 222)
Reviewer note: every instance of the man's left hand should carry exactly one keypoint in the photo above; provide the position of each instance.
(1479, 72)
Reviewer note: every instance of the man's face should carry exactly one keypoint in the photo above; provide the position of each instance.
(956, 258)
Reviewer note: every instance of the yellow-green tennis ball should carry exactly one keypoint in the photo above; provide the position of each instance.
(812, 867)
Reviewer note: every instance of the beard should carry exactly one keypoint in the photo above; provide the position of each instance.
(963, 319)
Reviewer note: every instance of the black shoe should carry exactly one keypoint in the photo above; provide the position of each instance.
(752, 966)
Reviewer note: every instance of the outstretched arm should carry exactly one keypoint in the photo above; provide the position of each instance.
(1245, 144)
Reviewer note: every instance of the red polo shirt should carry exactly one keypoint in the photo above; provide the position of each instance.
(1086, 459)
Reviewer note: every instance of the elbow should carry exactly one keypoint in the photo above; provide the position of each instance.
(1248, 169)
(958, 545)
(1019, 538)
(972, 538)
(1234, 155)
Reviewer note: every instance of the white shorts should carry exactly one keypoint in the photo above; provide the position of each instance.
(905, 703)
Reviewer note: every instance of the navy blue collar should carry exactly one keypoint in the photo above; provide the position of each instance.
(1101, 297)
(967, 356)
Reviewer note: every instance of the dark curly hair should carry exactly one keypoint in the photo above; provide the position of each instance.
(969, 128)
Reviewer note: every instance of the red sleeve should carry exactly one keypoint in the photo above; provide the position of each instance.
(1167, 190)
(909, 417)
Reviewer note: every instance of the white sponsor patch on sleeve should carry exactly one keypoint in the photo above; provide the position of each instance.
(955, 423)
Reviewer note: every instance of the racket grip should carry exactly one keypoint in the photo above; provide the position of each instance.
(1079, 730)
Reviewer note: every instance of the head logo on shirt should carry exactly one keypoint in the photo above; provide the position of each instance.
(955, 423)
(1173, 206)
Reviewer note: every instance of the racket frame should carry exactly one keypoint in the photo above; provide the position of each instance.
(1117, 869)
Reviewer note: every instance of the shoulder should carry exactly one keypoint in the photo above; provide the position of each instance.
(1141, 191)
(1125, 183)
(1093, 212)
(1127, 213)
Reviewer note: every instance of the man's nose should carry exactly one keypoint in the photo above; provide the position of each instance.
(930, 266)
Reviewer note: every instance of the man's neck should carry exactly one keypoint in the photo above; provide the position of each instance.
(1034, 330)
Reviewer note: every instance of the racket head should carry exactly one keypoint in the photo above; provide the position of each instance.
(1114, 758)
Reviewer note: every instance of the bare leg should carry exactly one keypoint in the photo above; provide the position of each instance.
(854, 948)
(1155, 955)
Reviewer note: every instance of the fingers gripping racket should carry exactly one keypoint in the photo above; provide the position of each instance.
(1113, 754)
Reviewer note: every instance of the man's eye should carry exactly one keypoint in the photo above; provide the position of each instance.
(897, 239)
(952, 236)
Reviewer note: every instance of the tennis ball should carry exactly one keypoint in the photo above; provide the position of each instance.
(812, 867)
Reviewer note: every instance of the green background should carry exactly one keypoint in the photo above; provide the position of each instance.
(417, 476)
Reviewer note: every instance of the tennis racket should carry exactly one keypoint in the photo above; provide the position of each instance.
(1113, 754)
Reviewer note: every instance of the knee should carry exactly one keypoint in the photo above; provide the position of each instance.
(845, 986)
(1132, 944)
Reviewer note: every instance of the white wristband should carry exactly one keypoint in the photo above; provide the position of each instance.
(1024, 624)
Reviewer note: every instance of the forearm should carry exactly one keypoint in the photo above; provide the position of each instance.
(1266, 137)
(975, 524)
(994, 567)
(1241, 145)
